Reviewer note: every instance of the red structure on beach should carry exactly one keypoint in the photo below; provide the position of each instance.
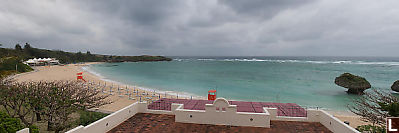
(211, 94)
(80, 76)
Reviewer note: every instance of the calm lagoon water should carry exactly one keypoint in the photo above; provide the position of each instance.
(307, 81)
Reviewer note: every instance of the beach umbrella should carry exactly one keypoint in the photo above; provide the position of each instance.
(355, 84)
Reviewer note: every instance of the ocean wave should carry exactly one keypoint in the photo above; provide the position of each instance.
(206, 59)
(87, 69)
(182, 59)
(298, 61)
(380, 63)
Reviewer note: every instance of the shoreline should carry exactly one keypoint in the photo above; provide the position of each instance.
(68, 72)
(186, 95)
(119, 99)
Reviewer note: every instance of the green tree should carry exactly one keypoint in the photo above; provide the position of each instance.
(59, 99)
(27, 46)
(391, 108)
(13, 63)
(55, 100)
(375, 106)
(87, 117)
(371, 129)
(28, 50)
(14, 99)
(66, 57)
(79, 56)
(18, 48)
(9, 124)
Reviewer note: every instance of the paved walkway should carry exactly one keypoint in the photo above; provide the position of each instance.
(284, 109)
(155, 123)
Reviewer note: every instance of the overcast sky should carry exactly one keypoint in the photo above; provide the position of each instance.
(205, 27)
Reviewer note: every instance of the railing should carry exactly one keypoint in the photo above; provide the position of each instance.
(291, 110)
(164, 104)
(132, 93)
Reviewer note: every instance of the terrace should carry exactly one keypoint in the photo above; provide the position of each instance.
(220, 115)
(158, 123)
(283, 109)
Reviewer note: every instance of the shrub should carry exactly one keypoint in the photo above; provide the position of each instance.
(10, 63)
(87, 117)
(8, 124)
(33, 129)
(371, 129)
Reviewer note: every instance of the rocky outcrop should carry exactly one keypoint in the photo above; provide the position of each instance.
(355, 84)
(395, 86)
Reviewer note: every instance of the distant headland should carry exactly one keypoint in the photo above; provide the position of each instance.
(27, 52)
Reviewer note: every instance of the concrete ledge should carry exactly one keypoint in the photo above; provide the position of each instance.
(109, 122)
(222, 113)
(25, 130)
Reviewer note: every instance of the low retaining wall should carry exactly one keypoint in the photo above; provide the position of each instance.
(327, 120)
(218, 113)
(334, 124)
(111, 121)
(25, 130)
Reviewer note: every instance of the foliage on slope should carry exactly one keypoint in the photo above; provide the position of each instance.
(68, 57)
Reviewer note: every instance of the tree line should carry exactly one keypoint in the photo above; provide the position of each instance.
(27, 52)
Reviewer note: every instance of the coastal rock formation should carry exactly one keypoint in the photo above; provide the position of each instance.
(355, 84)
(395, 86)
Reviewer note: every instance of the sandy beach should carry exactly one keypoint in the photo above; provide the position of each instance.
(119, 98)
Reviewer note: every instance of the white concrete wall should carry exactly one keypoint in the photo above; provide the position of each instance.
(334, 124)
(327, 120)
(25, 130)
(219, 117)
(109, 122)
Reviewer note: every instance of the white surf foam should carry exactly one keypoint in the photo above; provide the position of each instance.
(300, 61)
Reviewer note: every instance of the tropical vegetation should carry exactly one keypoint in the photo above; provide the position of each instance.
(51, 101)
(28, 52)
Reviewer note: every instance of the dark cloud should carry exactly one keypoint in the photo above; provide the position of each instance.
(262, 9)
(205, 27)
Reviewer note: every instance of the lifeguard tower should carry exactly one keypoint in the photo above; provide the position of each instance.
(80, 76)
(211, 94)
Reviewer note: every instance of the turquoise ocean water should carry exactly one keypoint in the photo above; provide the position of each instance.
(307, 81)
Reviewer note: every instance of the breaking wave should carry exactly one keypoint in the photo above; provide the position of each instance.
(299, 61)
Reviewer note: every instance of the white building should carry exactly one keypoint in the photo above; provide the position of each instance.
(42, 61)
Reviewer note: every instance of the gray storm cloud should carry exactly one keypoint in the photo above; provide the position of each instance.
(205, 27)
